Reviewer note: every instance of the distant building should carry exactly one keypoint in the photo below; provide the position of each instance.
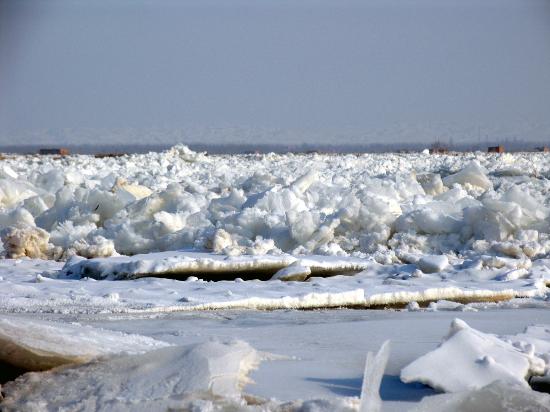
(495, 149)
(438, 148)
(61, 151)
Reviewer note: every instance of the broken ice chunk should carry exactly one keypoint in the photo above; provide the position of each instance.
(469, 359)
(293, 272)
(40, 345)
(433, 263)
(495, 397)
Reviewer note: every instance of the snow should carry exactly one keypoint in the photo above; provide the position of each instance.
(468, 359)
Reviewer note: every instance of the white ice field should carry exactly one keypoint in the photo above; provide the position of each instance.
(117, 263)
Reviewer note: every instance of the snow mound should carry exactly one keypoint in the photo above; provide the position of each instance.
(468, 359)
(161, 379)
(40, 345)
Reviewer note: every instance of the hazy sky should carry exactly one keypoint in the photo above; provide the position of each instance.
(324, 65)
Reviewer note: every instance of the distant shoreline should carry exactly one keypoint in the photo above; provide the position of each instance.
(267, 148)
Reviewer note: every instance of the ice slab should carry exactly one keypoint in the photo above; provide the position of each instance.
(162, 379)
(293, 272)
(468, 359)
(432, 264)
(38, 286)
(183, 264)
(40, 345)
(375, 366)
(498, 396)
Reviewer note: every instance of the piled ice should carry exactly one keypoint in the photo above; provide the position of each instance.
(386, 205)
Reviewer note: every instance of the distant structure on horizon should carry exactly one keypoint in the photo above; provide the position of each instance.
(61, 151)
(495, 149)
(438, 148)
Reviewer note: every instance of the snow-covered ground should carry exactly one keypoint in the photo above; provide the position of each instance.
(183, 247)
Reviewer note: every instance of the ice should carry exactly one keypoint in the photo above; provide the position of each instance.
(40, 345)
(334, 282)
(182, 264)
(536, 335)
(495, 397)
(431, 264)
(26, 241)
(161, 379)
(293, 272)
(322, 368)
(473, 174)
(130, 192)
(431, 183)
(468, 359)
(374, 371)
(370, 205)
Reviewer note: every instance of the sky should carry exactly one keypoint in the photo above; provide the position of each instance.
(330, 66)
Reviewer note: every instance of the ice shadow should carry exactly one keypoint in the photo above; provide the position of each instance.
(391, 388)
(9, 372)
(341, 387)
